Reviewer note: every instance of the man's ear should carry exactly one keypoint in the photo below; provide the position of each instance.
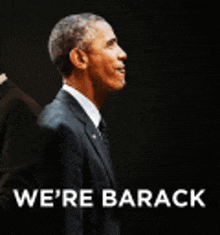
(78, 58)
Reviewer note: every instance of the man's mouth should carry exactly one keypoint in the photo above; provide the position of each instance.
(121, 70)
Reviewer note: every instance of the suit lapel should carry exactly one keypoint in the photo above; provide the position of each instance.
(91, 132)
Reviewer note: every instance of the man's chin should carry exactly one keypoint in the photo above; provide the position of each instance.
(121, 84)
(117, 87)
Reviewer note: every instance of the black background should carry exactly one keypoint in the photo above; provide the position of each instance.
(164, 123)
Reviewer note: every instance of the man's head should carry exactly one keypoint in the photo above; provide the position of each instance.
(86, 43)
(74, 31)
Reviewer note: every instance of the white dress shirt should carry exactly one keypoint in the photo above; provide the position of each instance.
(86, 104)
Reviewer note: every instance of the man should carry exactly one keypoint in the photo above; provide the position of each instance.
(85, 50)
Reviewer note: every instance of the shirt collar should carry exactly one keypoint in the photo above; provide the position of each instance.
(86, 104)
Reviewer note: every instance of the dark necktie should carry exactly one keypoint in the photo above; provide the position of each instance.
(104, 133)
(105, 137)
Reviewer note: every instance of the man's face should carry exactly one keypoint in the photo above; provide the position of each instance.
(105, 60)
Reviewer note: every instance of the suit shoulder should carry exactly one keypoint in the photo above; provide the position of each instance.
(56, 114)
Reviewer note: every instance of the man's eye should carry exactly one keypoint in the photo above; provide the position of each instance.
(111, 43)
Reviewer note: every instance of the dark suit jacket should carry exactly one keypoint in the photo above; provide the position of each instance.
(81, 161)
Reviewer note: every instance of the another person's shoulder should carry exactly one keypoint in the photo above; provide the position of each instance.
(13, 98)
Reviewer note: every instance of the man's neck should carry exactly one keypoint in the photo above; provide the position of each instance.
(85, 87)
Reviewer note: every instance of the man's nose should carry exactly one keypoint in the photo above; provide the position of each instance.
(122, 55)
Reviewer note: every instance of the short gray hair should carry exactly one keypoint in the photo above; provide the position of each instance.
(70, 32)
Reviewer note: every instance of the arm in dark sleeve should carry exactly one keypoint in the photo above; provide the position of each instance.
(18, 150)
(19, 156)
